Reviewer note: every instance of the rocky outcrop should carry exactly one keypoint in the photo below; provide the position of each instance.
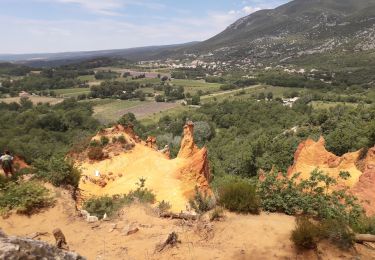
(364, 189)
(198, 167)
(13, 248)
(188, 147)
(311, 155)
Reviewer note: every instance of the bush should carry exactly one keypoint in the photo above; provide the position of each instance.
(122, 139)
(57, 171)
(94, 143)
(201, 202)
(104, 141)
(164, 206)
(95, 153)
(313, 196)
(26, 197)
(364, 225)
(143, 194)
(306, 234)
(338, 233)
(240, 196)
(98, 206)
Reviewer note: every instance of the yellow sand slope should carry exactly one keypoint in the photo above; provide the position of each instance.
(171, 180)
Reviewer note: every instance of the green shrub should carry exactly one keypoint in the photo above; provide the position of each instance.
(104, 141)
(364, 225)
(143, 194)
(240, 197)
(25, 197)
(98, 206)
(122, 139)
(201, 202)
(164, 206)
(94, 143)
(306, 234)
(338, 232)
(217, 214)
(312, 196)
(58, 171)
(95, 153)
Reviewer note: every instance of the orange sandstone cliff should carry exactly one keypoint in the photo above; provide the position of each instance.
(125, 162)
(311, 155)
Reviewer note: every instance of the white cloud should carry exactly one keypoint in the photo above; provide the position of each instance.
(249, 9)
(105, 7)
(99, 33)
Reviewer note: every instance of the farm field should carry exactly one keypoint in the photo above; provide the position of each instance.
(34, 99)
(109, 110)
(193, 86)
(71, 92)
(87, 78)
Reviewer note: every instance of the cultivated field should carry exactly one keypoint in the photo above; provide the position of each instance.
(71, 92)
(34, 99)
(107, 111)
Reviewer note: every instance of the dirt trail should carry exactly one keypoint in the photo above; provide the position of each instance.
(236, 237)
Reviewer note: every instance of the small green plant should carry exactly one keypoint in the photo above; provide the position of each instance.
(98, 206)
(201, 202)
(337, 232)
(122, 139)
(364, 225)
(94, 143)
(164, 206)
(217, 214)
(306, 234)
(95, 153)
(240, 196)
(104, 141)
(143, 194)
(25, 197)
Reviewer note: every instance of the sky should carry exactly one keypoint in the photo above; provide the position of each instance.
(43, 26)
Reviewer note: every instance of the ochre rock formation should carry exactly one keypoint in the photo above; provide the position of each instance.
(311, 155)
(172, 180)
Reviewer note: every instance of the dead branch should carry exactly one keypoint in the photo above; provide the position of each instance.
(360, 238)
(172, 240)
(185, 216)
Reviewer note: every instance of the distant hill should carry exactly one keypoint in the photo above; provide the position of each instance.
(299, 32)
(64, 58)
(296, 29)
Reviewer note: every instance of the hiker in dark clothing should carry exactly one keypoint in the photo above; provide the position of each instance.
(7, 163)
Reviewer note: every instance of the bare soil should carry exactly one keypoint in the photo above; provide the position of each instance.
(236, 237)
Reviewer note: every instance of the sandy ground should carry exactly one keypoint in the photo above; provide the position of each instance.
(34, 99)
(235, 237)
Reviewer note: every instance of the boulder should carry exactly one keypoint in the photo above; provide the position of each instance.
(14, 248)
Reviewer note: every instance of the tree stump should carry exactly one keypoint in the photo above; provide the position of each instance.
(60, 239)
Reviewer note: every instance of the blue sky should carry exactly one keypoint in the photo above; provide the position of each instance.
(30, 26)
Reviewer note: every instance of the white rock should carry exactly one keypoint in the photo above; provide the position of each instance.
(84, 213)
(92, 219)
